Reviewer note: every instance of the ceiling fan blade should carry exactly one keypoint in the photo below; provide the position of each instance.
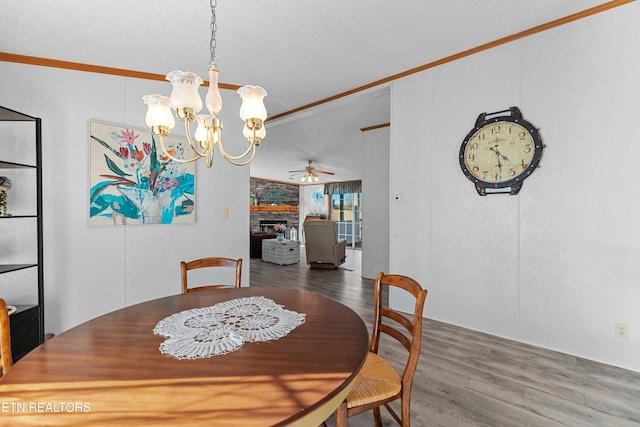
(311, 170)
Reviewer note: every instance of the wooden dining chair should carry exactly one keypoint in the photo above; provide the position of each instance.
(5, 340)
(378, 383)
(210, 263)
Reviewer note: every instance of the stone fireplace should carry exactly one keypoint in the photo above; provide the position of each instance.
(273, 203)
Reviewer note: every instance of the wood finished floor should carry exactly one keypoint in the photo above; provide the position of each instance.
(468, 378)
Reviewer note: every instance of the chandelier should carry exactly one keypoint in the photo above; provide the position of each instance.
(185, 101)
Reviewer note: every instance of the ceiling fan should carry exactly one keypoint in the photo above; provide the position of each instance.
(310, 173)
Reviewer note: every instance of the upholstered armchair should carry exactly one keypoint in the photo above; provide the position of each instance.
(322, 246)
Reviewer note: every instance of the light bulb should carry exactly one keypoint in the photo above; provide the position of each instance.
(248, 133)
(201, 131)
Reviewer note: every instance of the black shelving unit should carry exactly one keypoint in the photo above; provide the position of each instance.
(27, 322)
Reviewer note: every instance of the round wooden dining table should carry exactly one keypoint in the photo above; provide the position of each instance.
(110, 371)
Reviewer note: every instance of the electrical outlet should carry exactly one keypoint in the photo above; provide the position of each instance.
(622, 330)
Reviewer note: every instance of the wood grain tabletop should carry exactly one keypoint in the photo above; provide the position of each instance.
(110, 371)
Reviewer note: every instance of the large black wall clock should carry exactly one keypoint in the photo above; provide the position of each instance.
(500, 152)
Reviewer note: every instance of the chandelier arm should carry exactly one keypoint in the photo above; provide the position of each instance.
(244, 163)
(175, 159)
(252, 146)
(209, 158)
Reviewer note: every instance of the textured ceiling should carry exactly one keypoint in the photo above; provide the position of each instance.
(301, 51)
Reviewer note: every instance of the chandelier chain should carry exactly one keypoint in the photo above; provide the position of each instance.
(214, 27)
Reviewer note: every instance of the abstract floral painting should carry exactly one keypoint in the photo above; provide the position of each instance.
(134, 182)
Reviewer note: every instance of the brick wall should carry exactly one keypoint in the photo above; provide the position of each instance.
(290, 197)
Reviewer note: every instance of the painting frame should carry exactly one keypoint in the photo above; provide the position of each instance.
(134, 182)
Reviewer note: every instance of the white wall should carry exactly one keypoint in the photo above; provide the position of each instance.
(93, 270)
(375, 202)
(558, 264)
(307, 205)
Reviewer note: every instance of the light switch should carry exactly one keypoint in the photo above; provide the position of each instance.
(225, 213)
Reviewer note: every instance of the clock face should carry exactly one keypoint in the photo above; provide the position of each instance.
(501, 152)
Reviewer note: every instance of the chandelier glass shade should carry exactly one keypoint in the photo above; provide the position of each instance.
(186, 103)
(310, 178)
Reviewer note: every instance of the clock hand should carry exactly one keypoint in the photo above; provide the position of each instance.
(495, 150)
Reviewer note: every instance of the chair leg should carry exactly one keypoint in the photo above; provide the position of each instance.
(341, 415)
(406, 411)
(377, 417)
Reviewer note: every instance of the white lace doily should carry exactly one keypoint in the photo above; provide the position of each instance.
(225, 327)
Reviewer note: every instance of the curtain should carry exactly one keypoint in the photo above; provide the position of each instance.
(343, 187)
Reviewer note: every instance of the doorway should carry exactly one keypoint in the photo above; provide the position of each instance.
(346, 211)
